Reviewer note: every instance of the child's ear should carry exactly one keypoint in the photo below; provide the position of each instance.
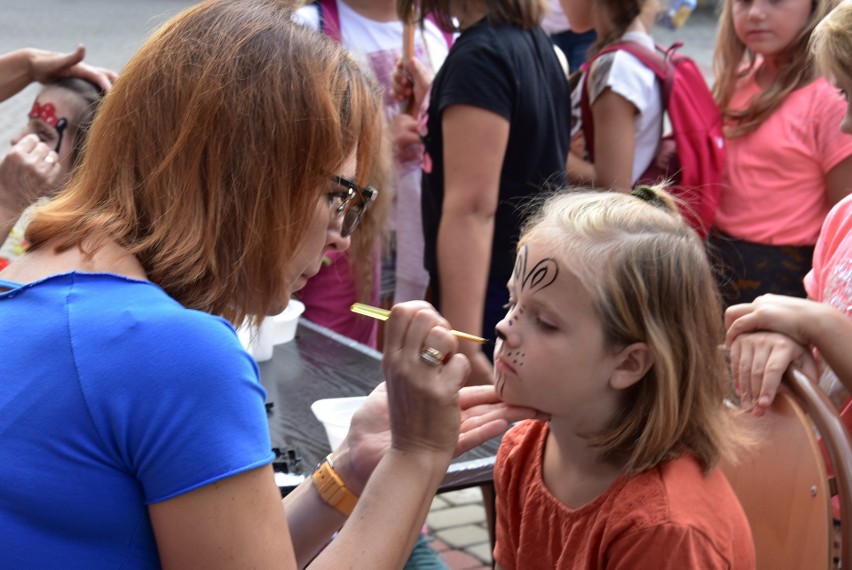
(634, 361)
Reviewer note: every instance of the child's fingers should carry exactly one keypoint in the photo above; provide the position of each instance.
(744, 373)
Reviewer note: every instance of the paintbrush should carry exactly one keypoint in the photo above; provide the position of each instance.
(383, 314)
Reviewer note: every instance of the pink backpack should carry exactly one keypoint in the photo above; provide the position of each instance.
(696, 129)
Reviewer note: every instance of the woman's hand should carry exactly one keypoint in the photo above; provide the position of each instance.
(46, 66)
(27, 172)
(483, 416)
(420, 408)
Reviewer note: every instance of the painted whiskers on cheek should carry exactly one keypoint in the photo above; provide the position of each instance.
(538, 277)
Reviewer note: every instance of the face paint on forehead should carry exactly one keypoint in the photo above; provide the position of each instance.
(540, 276)
(47, 113)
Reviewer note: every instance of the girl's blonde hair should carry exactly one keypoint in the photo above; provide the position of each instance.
(524, 13)
(831, 42)
(732, 61)
(208, 156)
(650, 281)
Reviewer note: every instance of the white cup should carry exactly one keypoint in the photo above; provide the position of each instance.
(258, 341)
(284, 323)
(336, 415)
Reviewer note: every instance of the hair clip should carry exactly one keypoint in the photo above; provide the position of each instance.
(649, 195)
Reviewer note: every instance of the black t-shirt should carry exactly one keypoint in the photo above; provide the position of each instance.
(515, 73)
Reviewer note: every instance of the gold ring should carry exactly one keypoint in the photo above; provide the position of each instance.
(432, 356)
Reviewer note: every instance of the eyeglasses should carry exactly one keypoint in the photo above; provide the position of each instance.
(351, 204)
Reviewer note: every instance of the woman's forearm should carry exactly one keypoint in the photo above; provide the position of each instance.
(380, 533)
(15, 72)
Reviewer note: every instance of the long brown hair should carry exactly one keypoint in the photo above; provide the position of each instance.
(524, 13)
(208, 156)
(732, 62)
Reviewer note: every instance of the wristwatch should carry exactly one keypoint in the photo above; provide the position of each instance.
(331, 488)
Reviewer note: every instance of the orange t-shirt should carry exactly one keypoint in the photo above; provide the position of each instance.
(671, 516)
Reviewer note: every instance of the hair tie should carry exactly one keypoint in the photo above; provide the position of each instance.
(649, 195)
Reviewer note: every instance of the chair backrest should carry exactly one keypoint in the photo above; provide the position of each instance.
(783, 485)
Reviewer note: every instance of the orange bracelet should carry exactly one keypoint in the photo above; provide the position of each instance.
(331, 488)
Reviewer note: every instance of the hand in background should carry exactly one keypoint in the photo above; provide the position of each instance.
(758, 362)
(405, 138)
(46, 66)
(411, 79)
(29, 171)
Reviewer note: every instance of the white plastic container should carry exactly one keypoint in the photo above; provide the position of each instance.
(336, 415)
(284, 324)
(257, 342)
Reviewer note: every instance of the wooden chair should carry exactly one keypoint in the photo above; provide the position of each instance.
(784, 487)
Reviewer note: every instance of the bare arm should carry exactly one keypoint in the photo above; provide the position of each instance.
(578, 170)
(399, 445)
(839, 181)
(475, 142)
(615, 141)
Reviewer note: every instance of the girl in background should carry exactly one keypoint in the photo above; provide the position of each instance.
(612, 330)
(787, 162)
(624, 98)
(496, 132)
(773, 332)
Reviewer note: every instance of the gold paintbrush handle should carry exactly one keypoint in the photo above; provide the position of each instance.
(383, 314)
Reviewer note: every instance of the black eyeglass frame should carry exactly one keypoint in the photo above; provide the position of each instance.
(355, 205)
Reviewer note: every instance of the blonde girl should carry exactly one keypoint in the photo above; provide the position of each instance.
(612, 329)
(787, 162)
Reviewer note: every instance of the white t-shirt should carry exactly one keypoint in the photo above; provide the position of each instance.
(628, 77)
(378, 45)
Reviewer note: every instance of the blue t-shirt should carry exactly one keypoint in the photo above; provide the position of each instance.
(113, 396)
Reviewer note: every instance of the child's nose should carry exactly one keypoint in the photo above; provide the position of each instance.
(757, 10)
(504, 332)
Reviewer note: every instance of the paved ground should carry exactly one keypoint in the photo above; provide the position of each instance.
(113, 29)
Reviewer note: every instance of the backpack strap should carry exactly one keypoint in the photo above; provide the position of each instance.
(656, 60)
(329, 19)
(448, 37)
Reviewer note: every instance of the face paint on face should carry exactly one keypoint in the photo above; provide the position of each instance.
(47, 114)
(550, 353)
(531, 280)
